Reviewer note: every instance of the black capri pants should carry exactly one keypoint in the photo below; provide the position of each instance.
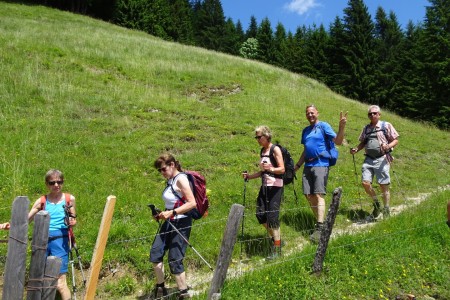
(268, 205)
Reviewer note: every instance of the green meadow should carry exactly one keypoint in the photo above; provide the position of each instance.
(101, 103)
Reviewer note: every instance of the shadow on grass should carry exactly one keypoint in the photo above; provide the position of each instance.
(255, 244)
(172, 294)
(302, 221)
(355, 215)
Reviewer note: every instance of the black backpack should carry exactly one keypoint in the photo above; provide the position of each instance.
(289, 173)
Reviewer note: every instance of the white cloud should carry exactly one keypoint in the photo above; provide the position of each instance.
(301, 6)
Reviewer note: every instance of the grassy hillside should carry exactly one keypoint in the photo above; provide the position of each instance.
(101, 103)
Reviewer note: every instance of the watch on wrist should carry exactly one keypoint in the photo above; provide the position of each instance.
(174, 212)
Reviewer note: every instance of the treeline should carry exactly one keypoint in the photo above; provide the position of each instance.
(373, 61)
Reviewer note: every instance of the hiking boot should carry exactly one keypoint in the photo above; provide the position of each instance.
(386, 212)
(376, 213)
(160, 291)
(184, 294)
(315, 236)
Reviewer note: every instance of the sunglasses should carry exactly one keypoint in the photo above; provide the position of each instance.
(163, 169)
(258, 137)
(372, 113)
(59, 182)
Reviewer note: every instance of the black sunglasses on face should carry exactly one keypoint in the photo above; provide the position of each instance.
(372, 113)
(258, 137)
(59, 182)
(163, 169)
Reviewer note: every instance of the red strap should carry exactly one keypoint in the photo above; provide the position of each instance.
(44, 200)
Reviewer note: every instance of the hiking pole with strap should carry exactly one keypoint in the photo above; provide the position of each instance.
(74, 286)
(189, 244)
(155, 212)
(67, 217)
(357, 183)
(77, 253)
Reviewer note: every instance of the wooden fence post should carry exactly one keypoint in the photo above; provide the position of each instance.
(226, 251)
(51, 275)
(38, 255)
(99, 249)
(326, 231)
(13, 285)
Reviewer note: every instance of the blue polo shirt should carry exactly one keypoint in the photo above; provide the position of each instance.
(316, 154)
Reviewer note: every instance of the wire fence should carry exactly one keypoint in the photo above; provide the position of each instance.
(253, 243)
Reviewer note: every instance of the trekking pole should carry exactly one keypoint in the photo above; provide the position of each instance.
(74, 286)
(155, 213)
(243, 215)
(77, 253)
(357, 183)
(67, 216)
(189, 244)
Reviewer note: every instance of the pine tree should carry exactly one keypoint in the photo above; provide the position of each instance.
(316, 65)
(265, 42)
(231, 39)
(359, 52)
(209, 24)
(252, 29)
(411, 80)
(389, 47)
(435, 67)
(296, 57)
(180, 28)
(337, 75)
(152, 16)
(280, 46)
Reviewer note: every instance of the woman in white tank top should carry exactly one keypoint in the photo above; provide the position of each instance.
(178, 200)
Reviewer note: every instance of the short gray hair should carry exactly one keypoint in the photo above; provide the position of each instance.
(374, 106)
(265, 131)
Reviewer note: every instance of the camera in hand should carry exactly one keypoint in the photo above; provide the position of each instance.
(245, 172)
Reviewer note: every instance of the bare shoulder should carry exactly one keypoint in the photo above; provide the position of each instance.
(37, 203)
(72, 198)
(182, 181)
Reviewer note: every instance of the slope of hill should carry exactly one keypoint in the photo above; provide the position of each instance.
(101, 103)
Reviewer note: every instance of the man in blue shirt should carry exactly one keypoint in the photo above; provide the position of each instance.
(316, 160)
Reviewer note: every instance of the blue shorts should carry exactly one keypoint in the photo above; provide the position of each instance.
(58, 245)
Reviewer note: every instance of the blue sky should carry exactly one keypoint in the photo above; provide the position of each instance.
(294, 13)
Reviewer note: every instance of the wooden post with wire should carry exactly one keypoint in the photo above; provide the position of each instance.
(226, 251)
(326, 232)
(99, 249)
(38, 255)
(51, 274)
(13, 284)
